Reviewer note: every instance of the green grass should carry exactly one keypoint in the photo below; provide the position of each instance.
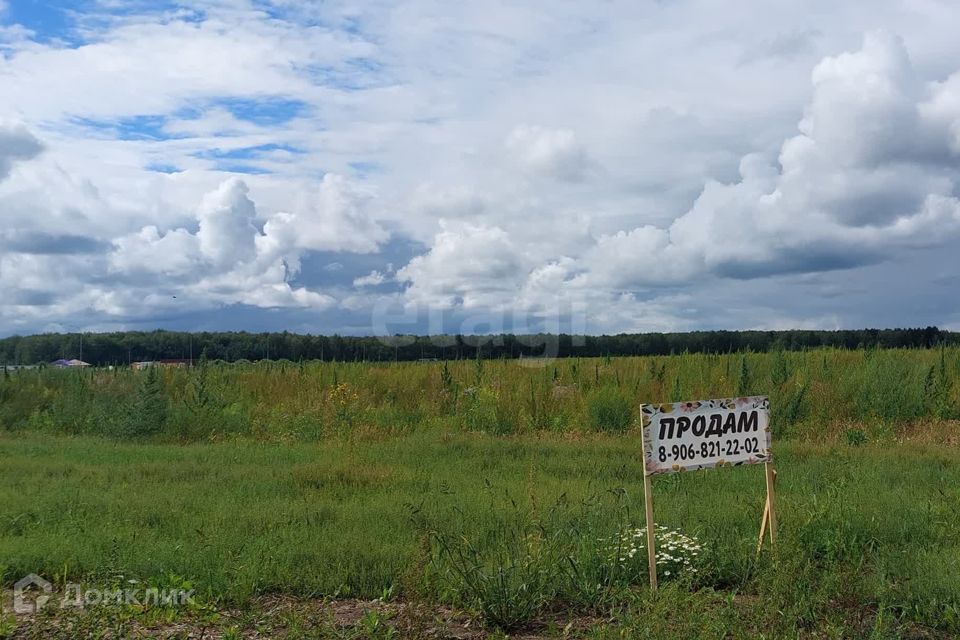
(871, 390)
(864, 529)
(495, 487)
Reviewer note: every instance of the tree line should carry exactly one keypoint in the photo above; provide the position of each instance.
(132, 346)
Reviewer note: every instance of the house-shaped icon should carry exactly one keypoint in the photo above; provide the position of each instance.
(22, 590)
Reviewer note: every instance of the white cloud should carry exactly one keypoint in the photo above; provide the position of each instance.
(175, 253)
(468, 265)
(217, 264)
(335, 217)
(554, 153)
(241, 52)
(868, 175)
(661, 155)
(227, 235)
(372, 279)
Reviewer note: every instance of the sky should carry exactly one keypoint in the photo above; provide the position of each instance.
(428, 166)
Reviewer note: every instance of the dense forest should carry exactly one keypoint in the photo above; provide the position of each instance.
(126, 347)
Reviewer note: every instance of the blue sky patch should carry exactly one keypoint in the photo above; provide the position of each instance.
(247, 153)
(233, 167)
(70, 22)
(159, 167)
(364, 169)
(49, 21)
(265, 111)
(142, 127)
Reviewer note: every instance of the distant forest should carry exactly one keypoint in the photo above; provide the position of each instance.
(125, 347)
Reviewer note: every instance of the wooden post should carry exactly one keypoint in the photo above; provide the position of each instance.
(769, 522)
(763, 524)
(772, 514)
(651, 531)
(769, 511)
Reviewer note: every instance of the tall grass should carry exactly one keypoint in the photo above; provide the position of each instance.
(284, 401)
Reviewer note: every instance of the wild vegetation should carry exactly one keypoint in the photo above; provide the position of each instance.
(511, 493)
(812, 393)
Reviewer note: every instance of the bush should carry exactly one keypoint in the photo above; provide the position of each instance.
(608, 410)
(855, 437)
(147, 414)
(891, 388)
(483, 412)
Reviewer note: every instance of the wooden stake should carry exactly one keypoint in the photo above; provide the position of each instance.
(763, 524)
(651, 533)
(771, 511)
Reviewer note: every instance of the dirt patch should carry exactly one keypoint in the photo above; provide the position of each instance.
(276, 617)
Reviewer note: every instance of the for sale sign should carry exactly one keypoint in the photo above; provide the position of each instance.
(704, 434)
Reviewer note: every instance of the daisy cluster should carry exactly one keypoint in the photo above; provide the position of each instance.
(677, 552)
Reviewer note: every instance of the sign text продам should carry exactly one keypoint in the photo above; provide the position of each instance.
(711, 433)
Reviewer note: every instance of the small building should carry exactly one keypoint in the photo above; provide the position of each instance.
(69, 364)
(175, 364)
(167, 364)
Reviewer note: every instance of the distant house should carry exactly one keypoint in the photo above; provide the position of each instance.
(69, 364)
(175, 364)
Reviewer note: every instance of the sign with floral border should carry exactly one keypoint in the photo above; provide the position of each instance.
(682, 436)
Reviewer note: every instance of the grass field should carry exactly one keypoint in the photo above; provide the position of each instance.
(509, 493)
(876, 391)
(869, 534)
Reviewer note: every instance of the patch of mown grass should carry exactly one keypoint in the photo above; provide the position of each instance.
(863, 530)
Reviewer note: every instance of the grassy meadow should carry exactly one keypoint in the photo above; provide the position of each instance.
(812, 393)
(510, 492)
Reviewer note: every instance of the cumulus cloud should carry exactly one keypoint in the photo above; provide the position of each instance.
(227, 235)
(16, 144)
(467, 265)
(650, 172)
(175, 253)
(871, 171)
(372, 279)
(555, 153)
(219, 263)
(335, 217)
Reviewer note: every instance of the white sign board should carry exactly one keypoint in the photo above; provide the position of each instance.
(710, 433)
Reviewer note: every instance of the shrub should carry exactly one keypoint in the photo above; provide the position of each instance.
(147, 414)
(745, 380)
(937, 390)
(608, 410)
(891, 388)
(791, 408)
(780, 370)
(855, 437)
(483, 412)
